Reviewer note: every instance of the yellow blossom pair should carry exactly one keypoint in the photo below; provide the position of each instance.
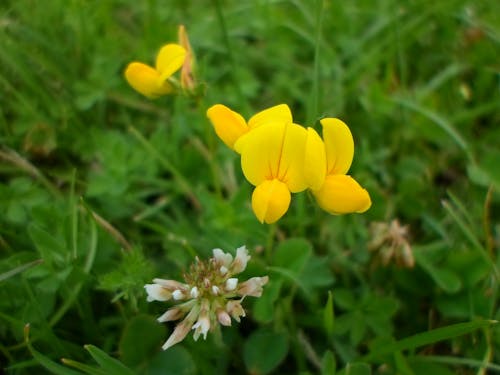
(156, 81)
(279, 157)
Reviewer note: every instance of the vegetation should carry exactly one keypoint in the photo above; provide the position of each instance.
(103, 189)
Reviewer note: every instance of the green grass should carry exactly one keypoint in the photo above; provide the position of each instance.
(102, 190)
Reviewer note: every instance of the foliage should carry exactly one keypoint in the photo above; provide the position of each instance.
(102, 189)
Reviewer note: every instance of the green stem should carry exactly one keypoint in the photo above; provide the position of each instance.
(312, 111)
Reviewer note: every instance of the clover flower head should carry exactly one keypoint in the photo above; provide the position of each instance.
(390, 242)
(209, 295)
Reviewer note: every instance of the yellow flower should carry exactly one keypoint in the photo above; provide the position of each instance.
(272, 159)
(279, 157)
(339, 193)
(153, 82)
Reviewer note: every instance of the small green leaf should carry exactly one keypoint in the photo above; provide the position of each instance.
(263, 351)
(47, 363)
(329, 315)
(292, 254)
(141, 338)
(328, 363)
(356, 369)
(444, 277)
(108, 363)
(175, 360)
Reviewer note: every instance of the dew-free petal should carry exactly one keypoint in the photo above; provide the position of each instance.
(278, 113)
(291, 160)
(339, 145)
(341, 194)
(228, 125)
(260, 151)
(169, 60)
(314, 160)
(146, 80)
(270, 201)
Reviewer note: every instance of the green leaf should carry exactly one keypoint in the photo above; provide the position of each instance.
(328, 363)
(111, 365)
(292, 254)
(430, 337)
(263, 351)
(263, 308)
(356, 369)
(329, 315)
(49, 247)
(444, 277)
(141, 338)
(47, 363)
(175, 360)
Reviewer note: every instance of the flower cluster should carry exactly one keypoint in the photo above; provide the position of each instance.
(279, 157)
(157, 81)
(390, 241)
(210, 295)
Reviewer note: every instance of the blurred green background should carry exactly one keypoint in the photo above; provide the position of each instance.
(101, 189)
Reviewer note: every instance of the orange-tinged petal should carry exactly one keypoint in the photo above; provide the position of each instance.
(339, 145)
(341, 194)
(169, 60)
(314, 160)
(228, 125)
(187, 78)
(291, 160)
(146, 80)
(278, 113)
(270, 201)
(260, 151)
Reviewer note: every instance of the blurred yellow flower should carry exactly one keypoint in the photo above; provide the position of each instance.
(339, 193)
(153, 82)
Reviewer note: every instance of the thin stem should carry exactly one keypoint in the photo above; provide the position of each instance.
(314, 99)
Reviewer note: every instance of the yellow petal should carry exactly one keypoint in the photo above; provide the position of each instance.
(314, 160)
(169, 60)
(341, 194)
(278, 113)
(260, 151)
(291, 159)
(228, 125)
(270, 201)
(339, 145)
(146, 80)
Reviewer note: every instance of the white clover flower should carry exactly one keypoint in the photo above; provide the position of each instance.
(211, 295)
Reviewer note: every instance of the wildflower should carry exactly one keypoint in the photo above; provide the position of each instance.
(155, 82)
(339, 193)
(279, 157)
(391, 242)
(210, 295)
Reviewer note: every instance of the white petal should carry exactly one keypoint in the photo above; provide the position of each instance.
(194, 292)
(222, 258)
(231, 284)
(177, 294)
(157, 293)
(240, 261)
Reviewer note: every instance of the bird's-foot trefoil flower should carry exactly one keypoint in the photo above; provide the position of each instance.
(272, 151)
(156, 81)
(210, 295)
(279, 157)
